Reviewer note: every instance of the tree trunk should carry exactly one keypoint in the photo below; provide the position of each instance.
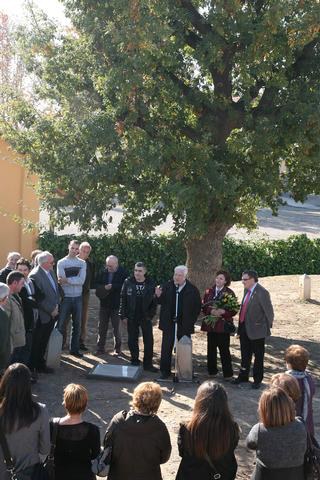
(204, 255)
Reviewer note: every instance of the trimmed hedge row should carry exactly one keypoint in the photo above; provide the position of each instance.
(161, 253)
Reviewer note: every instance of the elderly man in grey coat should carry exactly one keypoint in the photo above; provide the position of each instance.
(46, 281)
(255, 323)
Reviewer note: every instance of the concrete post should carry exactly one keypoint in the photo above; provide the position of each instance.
(305, 287)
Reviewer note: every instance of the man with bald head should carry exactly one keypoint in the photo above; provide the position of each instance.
(109, 284)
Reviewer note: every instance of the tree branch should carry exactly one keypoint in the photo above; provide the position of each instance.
(199, 22)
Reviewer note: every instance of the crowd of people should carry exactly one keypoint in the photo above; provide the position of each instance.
(34, 298)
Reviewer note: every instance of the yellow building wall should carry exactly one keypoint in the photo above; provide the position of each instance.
(18, 204)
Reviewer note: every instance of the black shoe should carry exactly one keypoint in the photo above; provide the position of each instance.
(150, 368)
(165, 375)
(45, 369)
(34, 377)
(83, 347)
(237, 381)
(256, 386)
(135, 363)
(76, 354)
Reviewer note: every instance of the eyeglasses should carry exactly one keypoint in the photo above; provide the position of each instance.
(245, 279)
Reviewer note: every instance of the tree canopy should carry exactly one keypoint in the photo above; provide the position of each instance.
(205, 110)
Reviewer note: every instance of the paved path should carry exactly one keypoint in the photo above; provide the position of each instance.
(293, 218)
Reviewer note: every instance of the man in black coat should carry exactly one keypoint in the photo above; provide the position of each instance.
(109, 284)
(138, 307)
(11, 265)
(180, 302)
(30, 295)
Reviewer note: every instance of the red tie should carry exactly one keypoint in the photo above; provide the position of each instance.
(244, 306)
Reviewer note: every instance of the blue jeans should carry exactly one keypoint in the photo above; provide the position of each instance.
(71, 306)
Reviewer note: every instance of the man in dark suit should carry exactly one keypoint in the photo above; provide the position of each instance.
(5, 344)
(29, 295)
(180, 302)
(109, 284)
(255, 321)
(12, 259)
(46, 281)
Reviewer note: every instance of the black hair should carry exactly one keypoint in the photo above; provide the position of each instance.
(251, 274)
(17, 408)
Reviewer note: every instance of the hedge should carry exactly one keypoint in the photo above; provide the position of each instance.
(161, 253)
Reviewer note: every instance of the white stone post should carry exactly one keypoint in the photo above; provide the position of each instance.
(305, 287)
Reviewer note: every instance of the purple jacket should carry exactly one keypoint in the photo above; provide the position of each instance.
(299, 403)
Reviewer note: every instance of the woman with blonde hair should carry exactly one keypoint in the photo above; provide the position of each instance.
(208, 441)
(280, 439)
(288, 383)
(77, 441)
(140, 440)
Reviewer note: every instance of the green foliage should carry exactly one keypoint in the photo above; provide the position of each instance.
(185, 108)
(160, 253)
(202, 110)
(296, 255)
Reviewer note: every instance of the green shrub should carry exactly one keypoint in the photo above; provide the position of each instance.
(161, 253)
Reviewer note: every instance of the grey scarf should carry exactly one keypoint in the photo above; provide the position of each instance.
(302, 376)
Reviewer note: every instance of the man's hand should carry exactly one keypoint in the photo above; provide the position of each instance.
(108, 287)
(55, 312)
(124, 321)
(158, 291)
(62, 280)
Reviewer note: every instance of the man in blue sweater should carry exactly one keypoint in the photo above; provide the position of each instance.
(71, 272)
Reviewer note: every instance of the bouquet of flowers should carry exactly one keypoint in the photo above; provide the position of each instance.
(226, 302)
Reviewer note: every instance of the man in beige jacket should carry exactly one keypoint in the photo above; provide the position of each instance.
(13, 307)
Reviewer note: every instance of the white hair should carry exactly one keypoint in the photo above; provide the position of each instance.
(4, 291)
(181, 268)
(43, 257)
(112, 257)
(13, 254)
(85, 244)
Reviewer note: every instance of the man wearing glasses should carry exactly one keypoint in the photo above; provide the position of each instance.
(255, 321)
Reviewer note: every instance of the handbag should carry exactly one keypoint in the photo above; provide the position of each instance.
(229, 327)
(101, 464)
(101, 292)
(39, 471)
(49, 461)
(312, 459)
(216, 474)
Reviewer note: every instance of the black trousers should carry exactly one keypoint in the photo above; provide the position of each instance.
(219, 341)
(248, 349)
(167, 346)
(133, 340)
(40, 339)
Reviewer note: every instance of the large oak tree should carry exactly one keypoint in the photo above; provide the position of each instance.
(205, 110)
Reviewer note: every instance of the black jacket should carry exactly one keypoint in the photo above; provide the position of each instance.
(4, 272)
(140, 443)
(190, 308)
(29, 304)
(128, 299)
(191, 467)
(113, 299)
